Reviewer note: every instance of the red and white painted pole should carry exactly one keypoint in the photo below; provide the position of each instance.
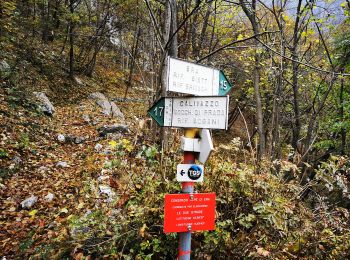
(187, 187)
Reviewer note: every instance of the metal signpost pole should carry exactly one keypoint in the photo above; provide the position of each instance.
(187, 187)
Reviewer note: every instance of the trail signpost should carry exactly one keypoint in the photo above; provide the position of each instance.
(191, 78)
(191, 112)
(207, 109)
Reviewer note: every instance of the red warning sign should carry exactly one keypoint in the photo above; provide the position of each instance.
(189, 212)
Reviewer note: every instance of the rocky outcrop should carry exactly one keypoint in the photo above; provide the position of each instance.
(44, 103)
(109, 108)
(5, 69)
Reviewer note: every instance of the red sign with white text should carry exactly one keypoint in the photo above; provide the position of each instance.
(189, 212)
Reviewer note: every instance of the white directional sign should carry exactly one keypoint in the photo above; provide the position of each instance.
(191, 78)
(191, 112)
(189, 173)
(206, 146)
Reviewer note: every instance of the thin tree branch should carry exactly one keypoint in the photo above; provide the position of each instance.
(232, 43)
(323, 42)
(194, 10)
(304, 64)
(155, 25)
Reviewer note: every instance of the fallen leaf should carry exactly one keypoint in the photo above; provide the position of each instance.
(142, 230)
(41, 223)
(64, 210)
(32, 213)
(261, 251)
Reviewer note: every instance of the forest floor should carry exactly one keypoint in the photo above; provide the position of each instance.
(31, 151)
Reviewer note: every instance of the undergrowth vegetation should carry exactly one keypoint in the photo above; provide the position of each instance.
(260, 211)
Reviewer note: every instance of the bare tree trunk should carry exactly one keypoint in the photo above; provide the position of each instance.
(311, 126)
(341, 114)
(34, 16)
(133, 61)
(170, 25)
(250, 12)
(210, 48)
(203, 31)
(295, 65)
(71, 41)
(45, 20)
(259, 112)
(193, 35)
(275, 142)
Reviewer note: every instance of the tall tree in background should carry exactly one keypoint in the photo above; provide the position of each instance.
(250, 10)
(170, 49)
(342, 48)
(72, 5)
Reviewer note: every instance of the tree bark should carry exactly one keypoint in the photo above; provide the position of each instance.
(295, 65)
(133, 61)
(341, 114)
(250, 12)
(311, 126)
(170, 26)
(71, 41)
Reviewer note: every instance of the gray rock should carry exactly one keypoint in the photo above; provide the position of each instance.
(86, 119)
(5, 69)
(102, 178)
(70, 138)
(78, 80)
(87, 213)
(61, 138)
(104, 189)
(62, 164)
(108, 108)
(44, 103)
(49, 197)
(79, 140)
(43, 169)
(98, 147)
(29, 202)
(107, 152)
(52, 224)
(117, 128)
(17, 160)
(116, 111)
(74, 139)
(96, 121)
(97, 95)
